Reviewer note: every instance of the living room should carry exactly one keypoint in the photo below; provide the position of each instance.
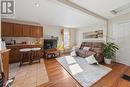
(65, 43)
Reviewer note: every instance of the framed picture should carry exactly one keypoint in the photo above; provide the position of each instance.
(93, 34)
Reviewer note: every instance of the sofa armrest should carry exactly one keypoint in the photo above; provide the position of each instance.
(99, 57)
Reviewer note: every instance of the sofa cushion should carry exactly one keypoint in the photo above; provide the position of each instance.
(84, 44)
(81, 53)
(97, 50)
(84, 53)
(99, 57)
(89, 53)
(94, 47)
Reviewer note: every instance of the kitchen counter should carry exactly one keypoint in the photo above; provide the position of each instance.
(15, 53)
(3, 51)
(25, 45)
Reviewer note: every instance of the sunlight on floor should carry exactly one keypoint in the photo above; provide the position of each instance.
(28, 75)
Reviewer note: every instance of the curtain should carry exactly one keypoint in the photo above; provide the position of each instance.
(64, 39)
(67, 39)
(61, 41)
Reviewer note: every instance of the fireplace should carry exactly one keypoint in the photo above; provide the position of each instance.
(50, 43)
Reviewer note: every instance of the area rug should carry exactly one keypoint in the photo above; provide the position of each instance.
(84, 73)
(28, 75)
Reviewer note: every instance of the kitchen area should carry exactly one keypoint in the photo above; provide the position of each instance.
(22, 42)
(19, 35)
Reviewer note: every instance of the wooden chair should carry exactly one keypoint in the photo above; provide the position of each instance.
(25, 56)
(36, 54)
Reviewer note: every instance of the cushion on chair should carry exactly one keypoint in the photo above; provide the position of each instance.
(35, 49)
(25, 49)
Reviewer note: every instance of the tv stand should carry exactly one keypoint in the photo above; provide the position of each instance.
(52, 53)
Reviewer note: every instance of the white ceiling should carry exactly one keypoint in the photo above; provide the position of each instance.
(52, 12)
(103, 7)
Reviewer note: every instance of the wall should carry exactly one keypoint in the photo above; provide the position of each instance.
(115, 20)
(73, 37)
(55, 31)
(51, 31)
(29, 40)
(80, 31)
(119, 33)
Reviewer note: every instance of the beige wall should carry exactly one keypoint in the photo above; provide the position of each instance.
(115, 20)
(80, 31)
(49, 31)
(55, 31)
(73, 37)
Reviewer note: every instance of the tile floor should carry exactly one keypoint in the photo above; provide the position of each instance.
(28, 75)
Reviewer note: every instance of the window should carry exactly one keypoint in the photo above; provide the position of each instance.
(66, 38)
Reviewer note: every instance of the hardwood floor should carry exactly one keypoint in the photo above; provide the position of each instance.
(59, 77)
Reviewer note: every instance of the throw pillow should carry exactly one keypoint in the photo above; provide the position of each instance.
(74, 48)
(73, 54)
(86, 48)
(91, 60)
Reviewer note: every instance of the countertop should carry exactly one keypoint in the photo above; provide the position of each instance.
(6, 50)
(25, 45)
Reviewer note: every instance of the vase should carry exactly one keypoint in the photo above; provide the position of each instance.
(107, 61)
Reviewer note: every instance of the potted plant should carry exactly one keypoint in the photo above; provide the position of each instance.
(109, 51)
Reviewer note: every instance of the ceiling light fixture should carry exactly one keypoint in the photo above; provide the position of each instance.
(121, 9)
(36, 4)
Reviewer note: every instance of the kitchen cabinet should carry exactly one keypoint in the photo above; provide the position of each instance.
(18, 30)
(21, 30)
(14, 54)
(6, 29)
(41, 32)
(34, 31)
(26, 30)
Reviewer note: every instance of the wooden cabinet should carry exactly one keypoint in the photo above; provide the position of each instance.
(41, 32)
(15, 53)
(36, 31)
(26, 30)
(5, 61)
(18, 30)
(7, 29)
(21, 30)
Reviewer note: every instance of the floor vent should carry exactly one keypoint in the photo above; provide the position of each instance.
(126, 77)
